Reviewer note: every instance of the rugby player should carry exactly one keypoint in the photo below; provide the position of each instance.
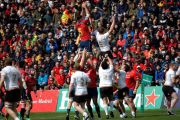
(83, 29)
(102, 38)
(81, 60)
(23, 97)
(168, 90)
(123, 92)
(2, 96)
(10, 77)
(106, 89)
(80, 79)
(30, 82)
(92, 89)
(132, 82)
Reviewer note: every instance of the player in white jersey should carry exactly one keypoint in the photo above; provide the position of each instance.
(102, 39)
(10, 77)
(169, 92)
(79, 79)
(106, 83)
(123, 93)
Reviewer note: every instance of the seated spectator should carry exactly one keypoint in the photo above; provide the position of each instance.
(57, 67)
(42, 80)
(66, 84)
(60, 79)
(51, 46)
(122, 7)
(158, 75)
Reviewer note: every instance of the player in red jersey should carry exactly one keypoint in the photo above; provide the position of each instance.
(92, 89)
(132, 82)
(83, 29)
(23, 97)
(30, 82)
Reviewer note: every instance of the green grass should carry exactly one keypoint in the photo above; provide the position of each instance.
(147, 115)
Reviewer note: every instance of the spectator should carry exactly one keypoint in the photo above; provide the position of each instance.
(57, 68)
(42, 80)
(66, 84)
(140, 11)
(158, 75)
(60, 79)
(122, 7)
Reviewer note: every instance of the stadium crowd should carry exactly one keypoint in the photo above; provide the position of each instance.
(43, 34)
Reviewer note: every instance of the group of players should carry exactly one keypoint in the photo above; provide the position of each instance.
(117, 83)
(83, 86)
(16, 88)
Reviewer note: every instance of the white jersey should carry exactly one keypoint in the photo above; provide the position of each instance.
(106, 76)
(80, 79)
(170, 74)
(11, 77)
(122, 79)
(102, 40)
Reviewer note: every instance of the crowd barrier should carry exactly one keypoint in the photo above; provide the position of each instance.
(56, 100)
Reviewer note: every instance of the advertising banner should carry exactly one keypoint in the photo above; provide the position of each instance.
(164, 100)
(153, 98)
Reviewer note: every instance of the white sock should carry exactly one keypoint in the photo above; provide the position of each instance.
(124, 114)
(133, 113)
(84, 113)
(106, 109)
(16, 118)
(75, 58)
(111, 103)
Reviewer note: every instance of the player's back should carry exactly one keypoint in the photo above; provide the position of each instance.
(106, 76)
(102, 41)
(11, 77)
(83, 30)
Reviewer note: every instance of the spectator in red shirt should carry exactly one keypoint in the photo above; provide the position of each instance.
(4, 40)
(2, 52)
(60, 79)
(121, 41)
(116, 52)
(130, 57)
(137, 62)
(161, 32)
(172, 43)
(57, 67)
(138, 41)
(166, 40)
(133, 48)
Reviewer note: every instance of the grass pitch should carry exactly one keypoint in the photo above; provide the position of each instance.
(147, 115)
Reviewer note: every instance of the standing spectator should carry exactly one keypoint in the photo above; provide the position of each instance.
(48, 16)
(38, 16)
(49, 63)
(140, 11)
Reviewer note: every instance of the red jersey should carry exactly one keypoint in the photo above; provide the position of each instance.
(30, 82)
(56, 70)
(22, 73)
(92, 75)
(131, 78)
(83, 29)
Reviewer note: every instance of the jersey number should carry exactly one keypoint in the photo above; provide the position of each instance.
(105, 77)
(100, 44)
(82, 81)
(14, 76)
(80, 32)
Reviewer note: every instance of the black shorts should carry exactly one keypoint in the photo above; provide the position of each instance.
(123, 92)
(168, 90)
(12, 96)
(23, 94)
(106, 92)
(92, 93)
(80, 99)
(107, 52)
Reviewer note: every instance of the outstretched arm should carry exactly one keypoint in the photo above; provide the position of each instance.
(112, 25)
